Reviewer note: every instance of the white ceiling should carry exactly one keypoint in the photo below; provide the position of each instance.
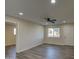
(37, 10)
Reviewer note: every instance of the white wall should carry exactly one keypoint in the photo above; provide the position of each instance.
(66, 35)
(28, 34)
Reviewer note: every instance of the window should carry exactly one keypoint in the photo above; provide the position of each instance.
(14, 31)
(53, 32)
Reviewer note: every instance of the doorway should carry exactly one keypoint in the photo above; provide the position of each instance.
(10, 40)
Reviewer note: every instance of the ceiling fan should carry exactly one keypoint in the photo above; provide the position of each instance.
(52, 20)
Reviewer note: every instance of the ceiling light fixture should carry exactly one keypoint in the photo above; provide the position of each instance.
(21, 13)
(53, 1)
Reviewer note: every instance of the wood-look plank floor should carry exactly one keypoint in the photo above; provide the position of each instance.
(47, 51)
(10, 52)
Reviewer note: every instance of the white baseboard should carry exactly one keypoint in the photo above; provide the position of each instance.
(58, 44)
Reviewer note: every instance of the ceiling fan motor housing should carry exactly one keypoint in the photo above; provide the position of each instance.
(51, 20)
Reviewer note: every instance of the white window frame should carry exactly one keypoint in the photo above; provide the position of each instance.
(53, 33)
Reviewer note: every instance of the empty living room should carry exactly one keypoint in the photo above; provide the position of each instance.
(43, 29)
